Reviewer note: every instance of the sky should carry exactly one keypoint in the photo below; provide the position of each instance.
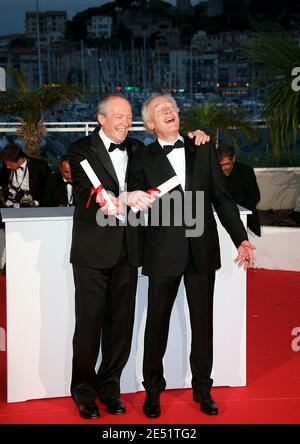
(12, 12)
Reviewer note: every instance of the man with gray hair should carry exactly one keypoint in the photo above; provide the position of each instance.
(170, 255)
(104, 258)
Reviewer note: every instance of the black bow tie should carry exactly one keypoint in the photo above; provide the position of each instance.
(68, 183)
(119, 146)
(177, 144)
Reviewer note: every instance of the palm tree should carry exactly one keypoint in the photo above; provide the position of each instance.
(214, 118)
(282, 103)
(28, 104)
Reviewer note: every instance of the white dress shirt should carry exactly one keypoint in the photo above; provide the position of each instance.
(177, 159)
(20, 177)
(119, 159)
(69, 192)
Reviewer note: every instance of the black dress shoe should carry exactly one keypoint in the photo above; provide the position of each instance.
(152, 405)
(89, 411)
(207, 404)
(114, 406)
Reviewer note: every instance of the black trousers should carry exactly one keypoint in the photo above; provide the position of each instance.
(161, 296)
(104, 310)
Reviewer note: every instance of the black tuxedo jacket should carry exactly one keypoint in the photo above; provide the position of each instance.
(166, 248)
(38, 173)
(245, 192)
(93, 245)
(55, 191)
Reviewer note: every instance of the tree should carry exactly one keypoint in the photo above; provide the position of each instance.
(280, 56)
(213, 118)
(28, 104)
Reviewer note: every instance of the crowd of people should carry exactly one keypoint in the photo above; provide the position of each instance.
(27, 182)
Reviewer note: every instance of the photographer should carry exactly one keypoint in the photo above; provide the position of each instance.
(22, 178)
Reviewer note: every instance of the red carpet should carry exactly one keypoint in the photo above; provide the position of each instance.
(273, 392)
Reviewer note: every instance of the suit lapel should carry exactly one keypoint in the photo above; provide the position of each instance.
(129, 149)
(102, 155)
(162, 160)
(190, 151)
(34, 185)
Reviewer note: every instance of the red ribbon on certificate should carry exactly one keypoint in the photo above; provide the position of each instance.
(152, 191)
(99, 198)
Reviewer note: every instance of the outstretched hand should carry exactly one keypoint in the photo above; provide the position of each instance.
(245, 255)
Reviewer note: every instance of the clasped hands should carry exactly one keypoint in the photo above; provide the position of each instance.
(138, 199)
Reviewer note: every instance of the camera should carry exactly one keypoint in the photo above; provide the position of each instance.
(18, 198)
(26, 201)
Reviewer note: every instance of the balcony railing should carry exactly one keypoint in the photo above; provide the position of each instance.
(65, 127)
(60, 135)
